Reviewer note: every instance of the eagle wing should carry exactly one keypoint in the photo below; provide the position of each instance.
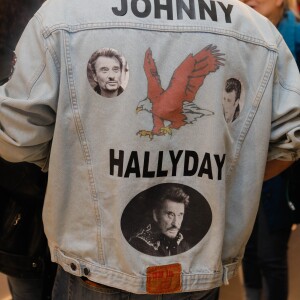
(154, 84)
(190, 74)
(192, 112)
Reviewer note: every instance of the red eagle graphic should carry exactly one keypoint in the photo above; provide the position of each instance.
(174, 105)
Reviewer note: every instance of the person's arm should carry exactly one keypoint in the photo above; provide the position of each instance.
(28, 100)
(284, 145)
(275, 167)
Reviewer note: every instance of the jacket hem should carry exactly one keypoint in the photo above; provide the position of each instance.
(137, 284)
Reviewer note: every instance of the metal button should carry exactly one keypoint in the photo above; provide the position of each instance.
(86, 271)
(73, 267)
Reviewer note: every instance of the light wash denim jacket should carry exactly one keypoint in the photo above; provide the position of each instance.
(111, 159)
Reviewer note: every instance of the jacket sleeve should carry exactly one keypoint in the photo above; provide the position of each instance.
(285, 129)
(28, 101)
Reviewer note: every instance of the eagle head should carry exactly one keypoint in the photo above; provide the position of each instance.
(144, 104)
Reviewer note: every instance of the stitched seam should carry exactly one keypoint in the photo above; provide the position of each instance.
(162, 28)
(83, 142)
(252, 113)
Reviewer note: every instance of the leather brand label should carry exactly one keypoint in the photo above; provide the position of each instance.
(164, 279)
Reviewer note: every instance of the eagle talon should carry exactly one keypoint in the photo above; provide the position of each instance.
(146, 133)
(166, 130)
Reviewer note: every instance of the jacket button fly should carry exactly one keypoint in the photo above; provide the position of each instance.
(73, 267)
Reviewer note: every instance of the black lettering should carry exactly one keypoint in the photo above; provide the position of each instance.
(175, 160)
(205, 167)
(146, 172)
(190, 11)
(133, 166)
(227, 11)
(123, 10)
(168, 7)
(141, 168)
(212, 11)
(141, 14)
(160, 172)
(188, 156)
(220, 164)
(116, 162)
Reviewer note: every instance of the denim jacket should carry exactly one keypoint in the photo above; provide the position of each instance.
(111, 159)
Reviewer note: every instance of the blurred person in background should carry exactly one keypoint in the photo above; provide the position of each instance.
(294, 6)
(24, 254)
(284, 18)
(265, 265)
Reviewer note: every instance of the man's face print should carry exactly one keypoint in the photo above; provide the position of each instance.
(107, 74)
(150, 223)
(229, 105)
(169, 218)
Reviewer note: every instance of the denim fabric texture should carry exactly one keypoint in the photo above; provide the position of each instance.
(265, 259)
(109, 159)
(70, 287)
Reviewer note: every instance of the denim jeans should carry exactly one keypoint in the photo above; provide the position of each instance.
(70, 287)
(39, 288)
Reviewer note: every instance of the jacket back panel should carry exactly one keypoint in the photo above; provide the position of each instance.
(171, 125)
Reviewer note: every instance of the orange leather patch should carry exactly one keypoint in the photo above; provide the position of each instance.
(91, 283)
(164, 279)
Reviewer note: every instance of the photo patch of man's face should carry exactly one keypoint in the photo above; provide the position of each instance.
(169, 217)
(232, 99)
(108, 75)
(166, 219)
(229, 104)
(107, 72)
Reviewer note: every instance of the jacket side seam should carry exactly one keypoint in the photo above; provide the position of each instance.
(253, 111)
(83, 142)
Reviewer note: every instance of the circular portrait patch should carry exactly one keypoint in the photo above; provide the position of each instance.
(166, 219)
(108, 72)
